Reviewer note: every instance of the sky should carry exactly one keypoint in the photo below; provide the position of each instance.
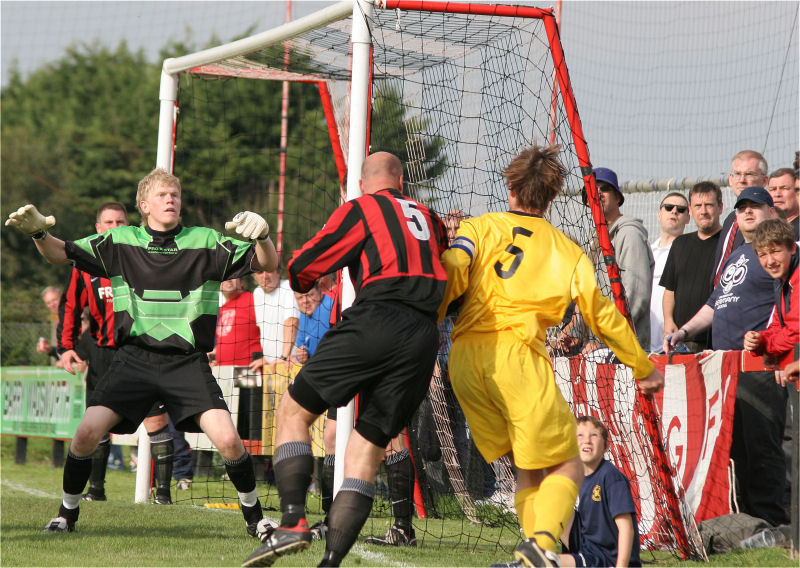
(664, 89)
(34, 32)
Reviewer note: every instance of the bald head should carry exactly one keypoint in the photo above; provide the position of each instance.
(381, 170)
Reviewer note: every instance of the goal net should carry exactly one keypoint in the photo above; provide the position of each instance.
(455, 90)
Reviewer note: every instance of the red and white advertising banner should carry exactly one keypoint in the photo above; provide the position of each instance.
(696, 408)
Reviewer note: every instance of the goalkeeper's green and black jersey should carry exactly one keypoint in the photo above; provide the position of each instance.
(165, 284)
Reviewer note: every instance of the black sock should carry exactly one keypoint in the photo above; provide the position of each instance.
(97, 478)
(326, 483)
(76, 473)
(293, 463)
(349, 511)
(400, 474)
(70, 514)
(241, 473)
(252, 514)
(163, 453)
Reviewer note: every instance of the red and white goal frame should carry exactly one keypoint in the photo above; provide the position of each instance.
(379, 36)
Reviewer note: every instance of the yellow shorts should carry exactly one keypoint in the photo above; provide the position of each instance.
(511, 401)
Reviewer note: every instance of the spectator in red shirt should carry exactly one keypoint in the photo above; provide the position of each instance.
(777, 253)
(238, 336)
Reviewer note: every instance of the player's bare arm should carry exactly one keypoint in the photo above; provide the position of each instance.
(28, 221)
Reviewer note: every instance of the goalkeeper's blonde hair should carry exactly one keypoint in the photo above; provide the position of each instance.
(536, 176)
(157, 178)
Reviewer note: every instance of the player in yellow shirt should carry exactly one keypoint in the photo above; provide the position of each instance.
(517, 275)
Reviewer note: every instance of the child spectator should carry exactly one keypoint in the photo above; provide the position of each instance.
(774, 244)
(604, 530)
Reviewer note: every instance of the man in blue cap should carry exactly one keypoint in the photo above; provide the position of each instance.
(742, 301)
(632, 251)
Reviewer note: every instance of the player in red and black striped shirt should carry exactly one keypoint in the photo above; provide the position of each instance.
(383, 349)
(84, 290)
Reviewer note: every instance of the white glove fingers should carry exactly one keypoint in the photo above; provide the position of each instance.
(249, 225)
(29, 221)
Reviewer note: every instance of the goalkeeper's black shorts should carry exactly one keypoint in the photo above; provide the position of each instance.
(139, 378)
(100, 359)
(382, 351)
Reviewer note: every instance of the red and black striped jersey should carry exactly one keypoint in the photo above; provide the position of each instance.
(85, 290)
(391, 245)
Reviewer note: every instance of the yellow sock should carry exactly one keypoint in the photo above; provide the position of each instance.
(523, 501)
(552, 508)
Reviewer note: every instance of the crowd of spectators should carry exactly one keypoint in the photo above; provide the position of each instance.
(729, 285)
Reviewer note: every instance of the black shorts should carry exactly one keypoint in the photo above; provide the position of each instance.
(99, 359)
(382, 351)
(139, 378)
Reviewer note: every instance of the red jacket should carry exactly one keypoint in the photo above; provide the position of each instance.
(782, 334)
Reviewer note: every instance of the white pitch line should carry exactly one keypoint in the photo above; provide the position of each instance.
(376, 558)
(28, 490)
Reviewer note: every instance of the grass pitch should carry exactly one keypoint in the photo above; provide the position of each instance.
(120, 533)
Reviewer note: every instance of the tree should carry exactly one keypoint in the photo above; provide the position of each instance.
(394, 130)
(76, 133)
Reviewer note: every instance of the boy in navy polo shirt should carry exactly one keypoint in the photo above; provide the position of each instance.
(604, 530)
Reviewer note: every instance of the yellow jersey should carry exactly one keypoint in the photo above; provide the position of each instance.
(517, 272)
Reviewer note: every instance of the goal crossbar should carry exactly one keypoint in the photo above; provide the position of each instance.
(259, 41)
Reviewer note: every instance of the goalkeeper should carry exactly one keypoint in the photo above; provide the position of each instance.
(165, 280)
(517, 275)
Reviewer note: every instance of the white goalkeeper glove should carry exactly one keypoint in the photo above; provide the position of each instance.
(30, 222)
(249, 225)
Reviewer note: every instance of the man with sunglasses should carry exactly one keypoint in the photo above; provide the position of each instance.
(673, 214)
(632, 250)
(686, 277)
